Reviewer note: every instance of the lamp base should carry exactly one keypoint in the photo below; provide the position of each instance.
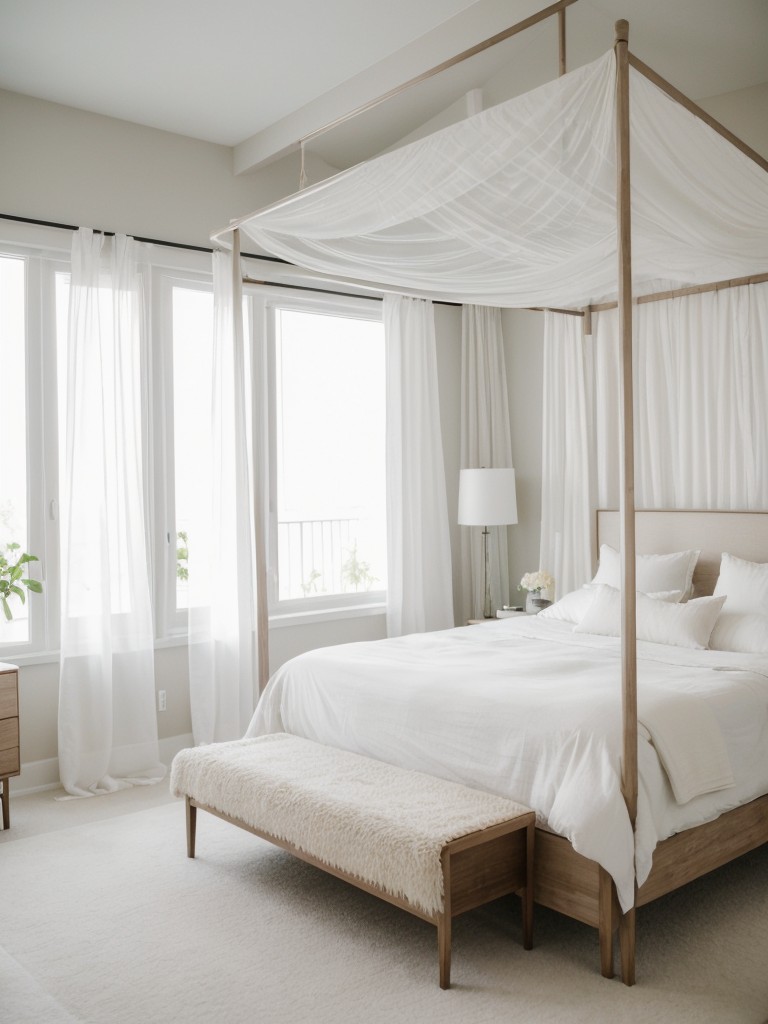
(487, 613)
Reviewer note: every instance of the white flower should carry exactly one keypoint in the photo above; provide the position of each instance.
(536, 581)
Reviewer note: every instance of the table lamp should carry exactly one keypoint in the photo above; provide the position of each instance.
(487, 498)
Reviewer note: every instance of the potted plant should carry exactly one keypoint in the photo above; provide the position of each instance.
(12, 579)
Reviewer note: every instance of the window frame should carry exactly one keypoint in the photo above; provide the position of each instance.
(40, 358)
(319, 607)
(171, 622)
(46, 253)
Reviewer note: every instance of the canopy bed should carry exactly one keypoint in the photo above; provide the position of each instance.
(529, 204)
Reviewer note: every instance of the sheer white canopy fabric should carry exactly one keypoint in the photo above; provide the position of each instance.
(419, 578)
(107, 721)
(486, 440)
(515, 206)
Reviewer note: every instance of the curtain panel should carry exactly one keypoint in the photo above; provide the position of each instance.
(701, 425)
(107, 721)
(222, 621)
(486, 441)
(701, 419)
(419, 577)
(567, 471)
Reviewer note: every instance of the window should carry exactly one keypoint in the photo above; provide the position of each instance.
(329, 529)
(327, 544)
(192, 312)
(28, 453)
(14, 532)
(180, 415)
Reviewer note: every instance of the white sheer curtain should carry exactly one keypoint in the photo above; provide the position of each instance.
(567, 475)
(222, 664)
(419, 578)
(701, 422)
(107, 720)
(701, 418)
(486, 440)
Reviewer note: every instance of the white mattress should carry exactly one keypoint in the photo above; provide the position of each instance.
(527, 709)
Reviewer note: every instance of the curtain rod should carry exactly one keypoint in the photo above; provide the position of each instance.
(203, 248)
(148, 241)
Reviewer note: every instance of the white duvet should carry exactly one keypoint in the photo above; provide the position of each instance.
(525, 708)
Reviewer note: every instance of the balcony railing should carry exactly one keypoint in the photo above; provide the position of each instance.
(312, 555)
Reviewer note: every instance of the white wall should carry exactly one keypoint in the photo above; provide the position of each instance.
(744, 113)
(73, 167)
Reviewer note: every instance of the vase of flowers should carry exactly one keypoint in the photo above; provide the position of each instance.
(534, 583)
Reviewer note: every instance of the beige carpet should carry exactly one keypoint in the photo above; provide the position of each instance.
(107, 921)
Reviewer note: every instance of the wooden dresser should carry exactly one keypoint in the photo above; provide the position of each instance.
(10, 762)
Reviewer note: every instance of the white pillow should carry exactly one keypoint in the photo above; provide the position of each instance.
(743, 624)
(661, 622)
(745, 584)
(740, 631)
(653, 572)
(574, 606)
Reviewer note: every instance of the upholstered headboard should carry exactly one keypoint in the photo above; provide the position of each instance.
(744, 534)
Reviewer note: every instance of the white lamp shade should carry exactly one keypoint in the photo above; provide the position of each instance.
(487, 497)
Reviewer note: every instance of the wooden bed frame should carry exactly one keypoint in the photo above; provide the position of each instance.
(599, 907)
(570, 883)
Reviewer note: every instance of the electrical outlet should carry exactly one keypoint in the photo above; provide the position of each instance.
(161, 702)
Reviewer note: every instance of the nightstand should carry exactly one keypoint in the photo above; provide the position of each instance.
(510, 613)
(10, 763)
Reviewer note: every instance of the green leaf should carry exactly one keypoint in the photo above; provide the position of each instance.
(34, 585)
(15, 574)
(27, 558)
(13, 546)
(6, 609)
(20, 592)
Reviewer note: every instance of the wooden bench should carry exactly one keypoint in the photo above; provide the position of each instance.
(433, 847)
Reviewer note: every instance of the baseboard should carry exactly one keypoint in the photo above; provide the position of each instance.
(36, 776)
(39, 775)
(171, 745)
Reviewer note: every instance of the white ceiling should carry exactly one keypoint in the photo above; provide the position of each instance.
(259, 75)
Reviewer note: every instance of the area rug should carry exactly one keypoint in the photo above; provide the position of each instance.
(110, 923)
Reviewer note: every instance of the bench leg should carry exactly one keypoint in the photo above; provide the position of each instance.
(191, 827)
(527, 893)
(444, 948)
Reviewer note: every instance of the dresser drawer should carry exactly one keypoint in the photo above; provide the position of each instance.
(9, 762)
(9, 701)
(9, 733)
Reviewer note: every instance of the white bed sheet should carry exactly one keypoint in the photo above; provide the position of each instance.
(525, 708)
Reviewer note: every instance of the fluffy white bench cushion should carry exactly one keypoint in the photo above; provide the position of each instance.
(383, 824)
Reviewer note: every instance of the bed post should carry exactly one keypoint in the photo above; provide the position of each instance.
(627, 499)
(561, 40)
